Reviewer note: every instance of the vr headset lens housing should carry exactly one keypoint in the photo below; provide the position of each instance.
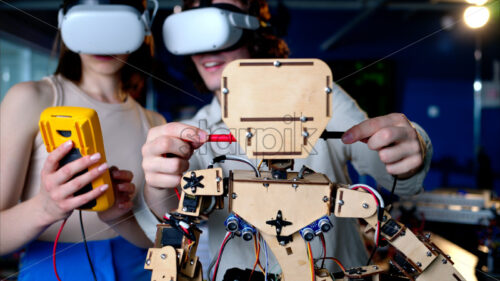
(204, 30)
(103, 29)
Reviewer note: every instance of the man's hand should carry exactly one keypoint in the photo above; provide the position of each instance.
(166, 153)
(398, 144)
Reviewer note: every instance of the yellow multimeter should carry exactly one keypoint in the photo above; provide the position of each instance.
(81, 125)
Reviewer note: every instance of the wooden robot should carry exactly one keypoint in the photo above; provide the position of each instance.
(279, 109)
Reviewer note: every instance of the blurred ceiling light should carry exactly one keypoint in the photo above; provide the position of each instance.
(476, 17)
(177, 9)
(477, 2)
(447, 22)
(478, 86)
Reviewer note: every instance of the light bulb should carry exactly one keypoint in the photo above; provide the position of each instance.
(476, 17)
(477, 2)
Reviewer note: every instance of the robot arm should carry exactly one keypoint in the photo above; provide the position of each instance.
(174, 254)
(420, 260)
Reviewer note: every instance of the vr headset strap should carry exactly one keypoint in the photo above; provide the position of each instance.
(205, 3)
(244, 21)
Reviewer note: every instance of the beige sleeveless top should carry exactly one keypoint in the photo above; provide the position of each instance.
(124, 128)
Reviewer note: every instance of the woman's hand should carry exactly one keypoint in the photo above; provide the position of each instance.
(398, 144)
(124, 191)
(58, 184)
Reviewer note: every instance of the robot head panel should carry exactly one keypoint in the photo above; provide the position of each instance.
(283, 117)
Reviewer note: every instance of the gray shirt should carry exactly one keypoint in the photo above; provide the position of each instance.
(328, 157)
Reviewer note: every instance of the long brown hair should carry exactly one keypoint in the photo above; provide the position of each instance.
(134, 73)
(261, 43)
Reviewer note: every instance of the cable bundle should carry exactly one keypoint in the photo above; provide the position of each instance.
(380, 207)
(228, 237)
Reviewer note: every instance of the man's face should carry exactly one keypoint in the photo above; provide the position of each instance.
(211, 65)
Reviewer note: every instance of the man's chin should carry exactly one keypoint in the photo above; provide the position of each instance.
(213, 87)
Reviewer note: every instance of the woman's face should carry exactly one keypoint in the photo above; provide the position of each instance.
(105, 65)
(211, 65)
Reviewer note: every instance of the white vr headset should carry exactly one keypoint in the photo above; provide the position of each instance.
(104, 29)
(202, 30)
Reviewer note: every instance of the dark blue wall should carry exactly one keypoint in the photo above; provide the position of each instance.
(431, 67)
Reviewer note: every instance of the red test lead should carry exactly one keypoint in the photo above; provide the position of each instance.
(221, 138)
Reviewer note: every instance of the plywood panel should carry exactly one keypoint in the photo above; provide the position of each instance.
(408, 244)
(354, 204)
(294, 266)
(212, 182)
(276, 104)
(300, 205)
(163, 263)
(440, 270)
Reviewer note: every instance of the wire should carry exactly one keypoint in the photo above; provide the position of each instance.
(260, 164)
(93, 235)
(258, 241)
(86, 247)
(379, 202)
(235, 158)
(184, 229)
(392, 191)
(311, 260)
(210, 208)
(212, 263)
(394, 186)
(166, 216)
(55, 247)
(187, 234)
(373, 192)
(188, 254)
(177, 193)
(369, 191)
(372, 254)
(322, 237)
(222, 246)
(376, 236)
(240, 159)
(336, 261)
(257, 255)
(267, 259)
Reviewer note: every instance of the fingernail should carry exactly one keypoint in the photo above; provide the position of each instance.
(347, 137)
(203, 136)
(121, 205)
(68, 143)
(102, 167)
(104, 187)
(95, 156)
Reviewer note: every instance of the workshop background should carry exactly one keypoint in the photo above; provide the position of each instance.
(416, 57)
